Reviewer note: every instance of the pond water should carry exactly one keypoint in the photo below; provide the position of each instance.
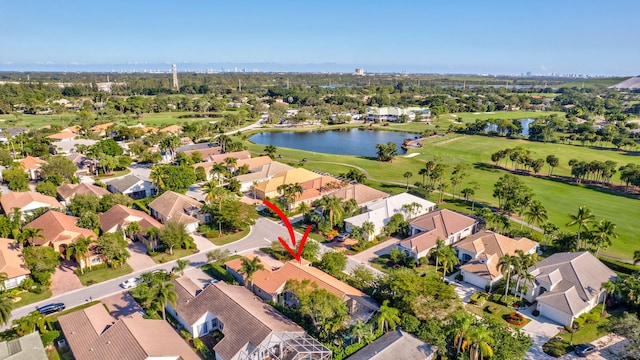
(358, 142)
(525, 126)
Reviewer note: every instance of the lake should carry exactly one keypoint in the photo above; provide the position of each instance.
(525, 126)
(352, 141)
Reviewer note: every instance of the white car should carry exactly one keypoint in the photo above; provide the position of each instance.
(129, 283)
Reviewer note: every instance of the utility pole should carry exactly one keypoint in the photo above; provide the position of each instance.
(175, 77)
(239, 85)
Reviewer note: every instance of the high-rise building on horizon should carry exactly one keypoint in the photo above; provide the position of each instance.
(176, 87)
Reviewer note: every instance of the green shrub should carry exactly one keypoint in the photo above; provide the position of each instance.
(556, 348)
(493, 309)
(185, 334)
(38, 289)
(593, 317)
(496, 298)
(27, 284)
(49, 337)
(578, 323)
(509, 300)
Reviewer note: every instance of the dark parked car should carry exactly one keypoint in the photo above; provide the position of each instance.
(585, 349)
(50, 308)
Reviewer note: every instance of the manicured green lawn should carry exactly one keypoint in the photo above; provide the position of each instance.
(91, 277)
(114, 174)
(37, 121)
(27, 298)
(164, 257)
(169, 118)
(560, 199)
(229, 238)
(518, 114)
(480, 311)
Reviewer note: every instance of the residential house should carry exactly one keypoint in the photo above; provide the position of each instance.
(396, 345)
(27, 202)
(14, 131)
(251, 328)
(63, 136)
(31, 165)
(269, 188)
(205, 153)
(254, 163)
(380, 212)
(85, 166)
(568, 285)
(59, 230)
(119, 217)
(387, 113)
(443, 224)
(70, 146)
(27, 347)
(174, 129)
(260, 174)
(12, 264)
(181, 208)
(92, 333)
(269, 285)
(101, 129)
(131, 185)
(480, 253)
(67, 191)
(361, 193)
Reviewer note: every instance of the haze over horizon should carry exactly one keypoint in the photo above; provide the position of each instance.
(464, 37)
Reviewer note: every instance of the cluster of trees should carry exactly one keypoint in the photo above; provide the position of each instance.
(386, 152)
(602, 171)
(521, 156)
(333, 212)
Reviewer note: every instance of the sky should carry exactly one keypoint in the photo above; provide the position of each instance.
(447, 36)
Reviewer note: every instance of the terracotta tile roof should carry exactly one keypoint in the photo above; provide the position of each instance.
(58, 227)
(298, 175)
(436, 224)
(67, 191)
(100, 128)
(220, 158)
(361, 193)
(268, 170)
(575, 279)
(148, 129)
(272, 282)
(206, 152)
(63, 135)
(489, 242)
(120, 216)
(171, 128)
(255, 163)
(11, 260)
(171, 204)
(94, 334)
(245, 318)
(21, 199)
(31, 162)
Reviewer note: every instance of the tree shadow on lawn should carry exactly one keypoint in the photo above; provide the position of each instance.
(487, 167)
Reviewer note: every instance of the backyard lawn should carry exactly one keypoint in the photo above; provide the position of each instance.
(229, 238)
(27, 298)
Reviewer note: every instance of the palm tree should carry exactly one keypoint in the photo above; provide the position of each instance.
(270, 150)
(438, 251)
(209, 189)
(250, 267)
(6, 306)
(3, 277)
(157, 177)
(479, 343)
(610, 288)
(132, 230)
(30, 234)
(290, 192)
(231, 162)
(387, 316)
(219, 172)
(407, 175)
(78, 250)
(360, 330)
(582, 218)
(333, 205)
(536, 214)
(163, 293)
(525, 261)
(303, 207)
(368, 228)
(506, 264)
(463, 322)
(449, 260)
(152, 235)
(180, 266)
(527, 278)
(602, 234)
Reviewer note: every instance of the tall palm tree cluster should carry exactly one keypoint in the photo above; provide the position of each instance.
(598, 237)
(155, 291)
(517, 265)
(444, 256)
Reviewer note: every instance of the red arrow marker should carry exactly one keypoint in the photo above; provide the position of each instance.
(285, 221)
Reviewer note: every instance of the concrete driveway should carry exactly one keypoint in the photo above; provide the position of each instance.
(64, 279)
(139, 259)
(540, 329)
(384, 248)
(203, 243)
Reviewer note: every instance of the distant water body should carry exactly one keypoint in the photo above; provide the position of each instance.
(358, 142)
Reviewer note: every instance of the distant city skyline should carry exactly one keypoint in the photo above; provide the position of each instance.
(460, 37)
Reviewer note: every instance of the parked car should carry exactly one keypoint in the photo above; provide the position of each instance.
(585, 349)
(342, 237)
(50, 308)
(129, 283)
